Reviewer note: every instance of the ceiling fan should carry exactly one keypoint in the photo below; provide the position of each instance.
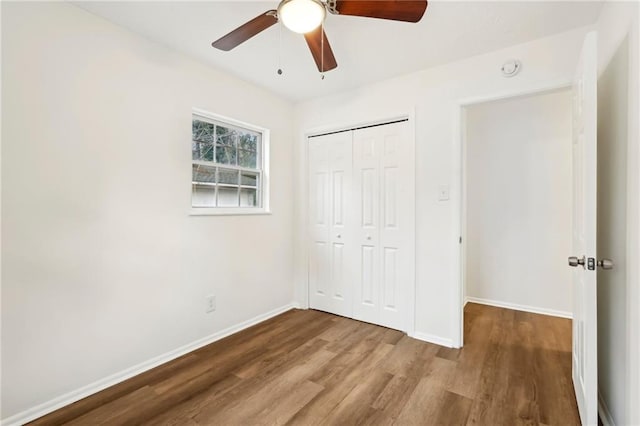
(306, 16)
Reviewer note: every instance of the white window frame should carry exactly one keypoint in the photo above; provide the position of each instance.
(263, 162)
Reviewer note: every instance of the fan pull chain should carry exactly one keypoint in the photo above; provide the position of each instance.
(279, 48)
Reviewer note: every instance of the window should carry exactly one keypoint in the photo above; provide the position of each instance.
(228, 166)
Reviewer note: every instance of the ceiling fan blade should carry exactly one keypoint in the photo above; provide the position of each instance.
(321, 49)
(397, 10)
(246, 31)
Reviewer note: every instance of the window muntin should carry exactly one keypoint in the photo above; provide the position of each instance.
(227, 165)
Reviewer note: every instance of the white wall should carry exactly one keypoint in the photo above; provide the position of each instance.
(618, 213)
(434, 94)
(102, 267)
(518, 202)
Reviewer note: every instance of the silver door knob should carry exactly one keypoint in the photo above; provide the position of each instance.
(338, 236)
(605, 263)
(574, 261)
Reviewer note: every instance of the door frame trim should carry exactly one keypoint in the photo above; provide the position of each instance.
(302, 288)
(458, 194)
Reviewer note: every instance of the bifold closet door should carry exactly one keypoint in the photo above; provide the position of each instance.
(383, 194)
(331, 229)
(361, 216)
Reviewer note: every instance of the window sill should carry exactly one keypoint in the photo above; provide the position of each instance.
(204, 211)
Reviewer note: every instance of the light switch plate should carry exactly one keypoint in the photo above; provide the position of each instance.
(443, 193)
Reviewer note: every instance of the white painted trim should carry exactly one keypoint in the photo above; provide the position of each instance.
(304, 202)
(232, 211)
(457, 225)
(458, 295)
(227, 120)
(508, 94)
(633, 228)
(413, 290)
(517, 307)
(432, 338)
(603, 411)
(92, 388)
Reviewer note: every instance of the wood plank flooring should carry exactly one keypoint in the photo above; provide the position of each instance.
(309, 367)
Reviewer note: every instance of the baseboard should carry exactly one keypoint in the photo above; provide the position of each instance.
(603, 411)
(85, 391)
(431, 338)
(516, 307)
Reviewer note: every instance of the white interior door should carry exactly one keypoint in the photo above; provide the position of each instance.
(384, 225)
(585, 364)
(330, 171)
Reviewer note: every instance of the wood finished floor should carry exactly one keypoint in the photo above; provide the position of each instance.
(309, 367)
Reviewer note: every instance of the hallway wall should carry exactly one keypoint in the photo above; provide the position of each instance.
(518, 202)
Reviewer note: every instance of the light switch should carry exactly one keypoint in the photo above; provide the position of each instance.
(443, 193)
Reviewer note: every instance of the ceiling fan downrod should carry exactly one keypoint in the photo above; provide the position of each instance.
(332, 6)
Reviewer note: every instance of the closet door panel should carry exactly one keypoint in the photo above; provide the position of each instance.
(341, 228)
(330, 170)
(368, 275)
(319, 222)
(397, 224)
(369, 198)
(383, 169)
(390, 178)
(366, 195)
(338, 282)
(390, 290)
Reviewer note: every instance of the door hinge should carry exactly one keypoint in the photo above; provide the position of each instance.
(460, 240)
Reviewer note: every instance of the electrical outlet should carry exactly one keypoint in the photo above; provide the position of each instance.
(210, 304)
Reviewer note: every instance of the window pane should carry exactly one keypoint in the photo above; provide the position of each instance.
(227, 197)
(248, 141)
(248, 197)
(228, 176)
(221, 130)
(248, 178)
(203, 196)
(226, 136)
(247, 158)
(201, 131)
(203, 174)
(226, 155)
(201, 151)
(229, 161)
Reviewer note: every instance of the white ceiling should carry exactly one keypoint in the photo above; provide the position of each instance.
(367, 50)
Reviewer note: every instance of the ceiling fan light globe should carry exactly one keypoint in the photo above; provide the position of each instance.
(301, 16)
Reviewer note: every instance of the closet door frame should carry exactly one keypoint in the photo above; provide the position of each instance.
(302, 288)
